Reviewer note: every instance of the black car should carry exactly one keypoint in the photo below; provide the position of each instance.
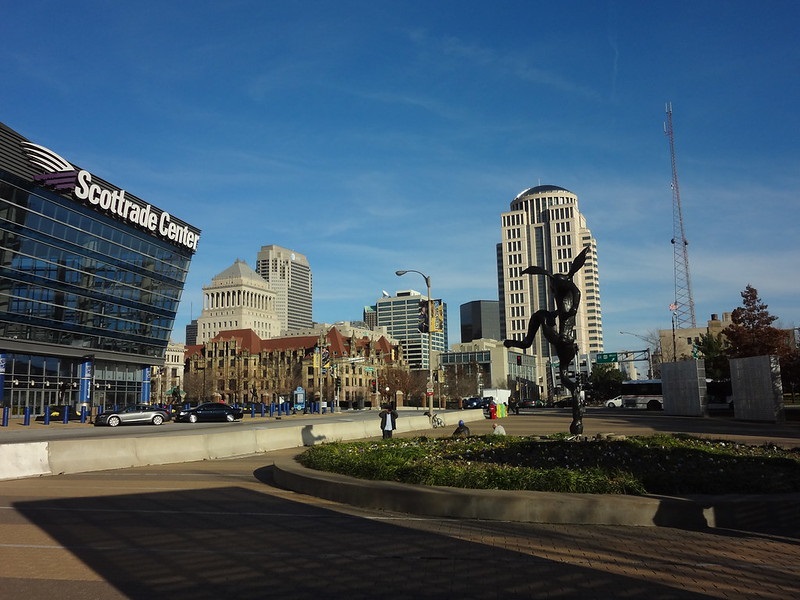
(210, 411)
(472, 403)
(476, 402)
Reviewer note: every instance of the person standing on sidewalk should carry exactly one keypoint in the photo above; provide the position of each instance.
(388, 421)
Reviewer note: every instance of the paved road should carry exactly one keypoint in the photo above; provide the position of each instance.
(221, 529)
(17, 433)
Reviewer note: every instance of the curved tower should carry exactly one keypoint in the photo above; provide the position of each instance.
(544, 227)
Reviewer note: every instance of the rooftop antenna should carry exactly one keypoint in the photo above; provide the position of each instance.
(683, 307)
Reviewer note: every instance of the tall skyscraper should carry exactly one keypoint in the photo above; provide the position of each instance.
(400, 315)
(289, 276)
(544, 227)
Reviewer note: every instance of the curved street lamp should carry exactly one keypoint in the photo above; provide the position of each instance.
(430, 357)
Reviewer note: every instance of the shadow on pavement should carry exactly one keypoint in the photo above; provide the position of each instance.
(231, 542)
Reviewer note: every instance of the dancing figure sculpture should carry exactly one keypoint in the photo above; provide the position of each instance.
(558, 327)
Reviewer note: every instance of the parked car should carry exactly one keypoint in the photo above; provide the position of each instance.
(210, 411)
(474, 402)
(57, 413)
(131, 415)
(614, 402)
(528, 403)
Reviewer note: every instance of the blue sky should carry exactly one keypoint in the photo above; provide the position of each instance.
(373, 136)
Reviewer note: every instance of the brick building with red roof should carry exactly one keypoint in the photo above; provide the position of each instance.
(239, 367)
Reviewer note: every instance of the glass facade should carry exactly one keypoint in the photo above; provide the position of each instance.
(90, 282)
(69, 275)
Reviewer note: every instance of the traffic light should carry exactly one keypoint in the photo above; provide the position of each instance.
(424, 316)
(339, 383)
(519, 360)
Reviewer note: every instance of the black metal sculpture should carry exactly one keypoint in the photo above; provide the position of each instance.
(558, 327)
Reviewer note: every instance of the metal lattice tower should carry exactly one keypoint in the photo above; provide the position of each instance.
(683, 307)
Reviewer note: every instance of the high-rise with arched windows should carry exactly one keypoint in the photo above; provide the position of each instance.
(543, 227)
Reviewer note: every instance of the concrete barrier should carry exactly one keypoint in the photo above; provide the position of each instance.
(235, 443)
(80, 456)
(99, 454)
(24, 460)
(171, 449)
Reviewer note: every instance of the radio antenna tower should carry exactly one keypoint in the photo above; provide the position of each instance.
(683, 307)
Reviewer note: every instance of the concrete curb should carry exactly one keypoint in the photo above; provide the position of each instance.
(755, 513)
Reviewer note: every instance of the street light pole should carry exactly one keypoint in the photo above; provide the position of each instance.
(428, 394)
(649, 356)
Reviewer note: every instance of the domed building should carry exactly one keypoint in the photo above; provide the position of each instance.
(238, 298)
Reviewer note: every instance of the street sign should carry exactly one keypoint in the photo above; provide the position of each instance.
(606, 357)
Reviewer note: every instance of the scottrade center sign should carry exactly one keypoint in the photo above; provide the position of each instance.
(61, 176)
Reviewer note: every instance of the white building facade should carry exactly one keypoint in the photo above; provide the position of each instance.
(238, 298)
(545, 228)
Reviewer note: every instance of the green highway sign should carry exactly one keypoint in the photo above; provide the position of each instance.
(606, 357)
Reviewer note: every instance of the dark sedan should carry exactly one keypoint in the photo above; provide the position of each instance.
(476, 402)
(131, 415)
(210, 411)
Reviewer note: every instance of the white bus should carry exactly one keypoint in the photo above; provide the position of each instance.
(644, 393)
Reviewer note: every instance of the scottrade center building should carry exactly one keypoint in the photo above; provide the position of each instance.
(90, 281)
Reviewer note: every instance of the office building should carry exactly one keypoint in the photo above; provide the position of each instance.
(403, 316)
(238, 298)
(191, 333)
(470, 367)
(289, 276)
(480, 319)
(90, 281)
(545, 228)
(370, 316)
